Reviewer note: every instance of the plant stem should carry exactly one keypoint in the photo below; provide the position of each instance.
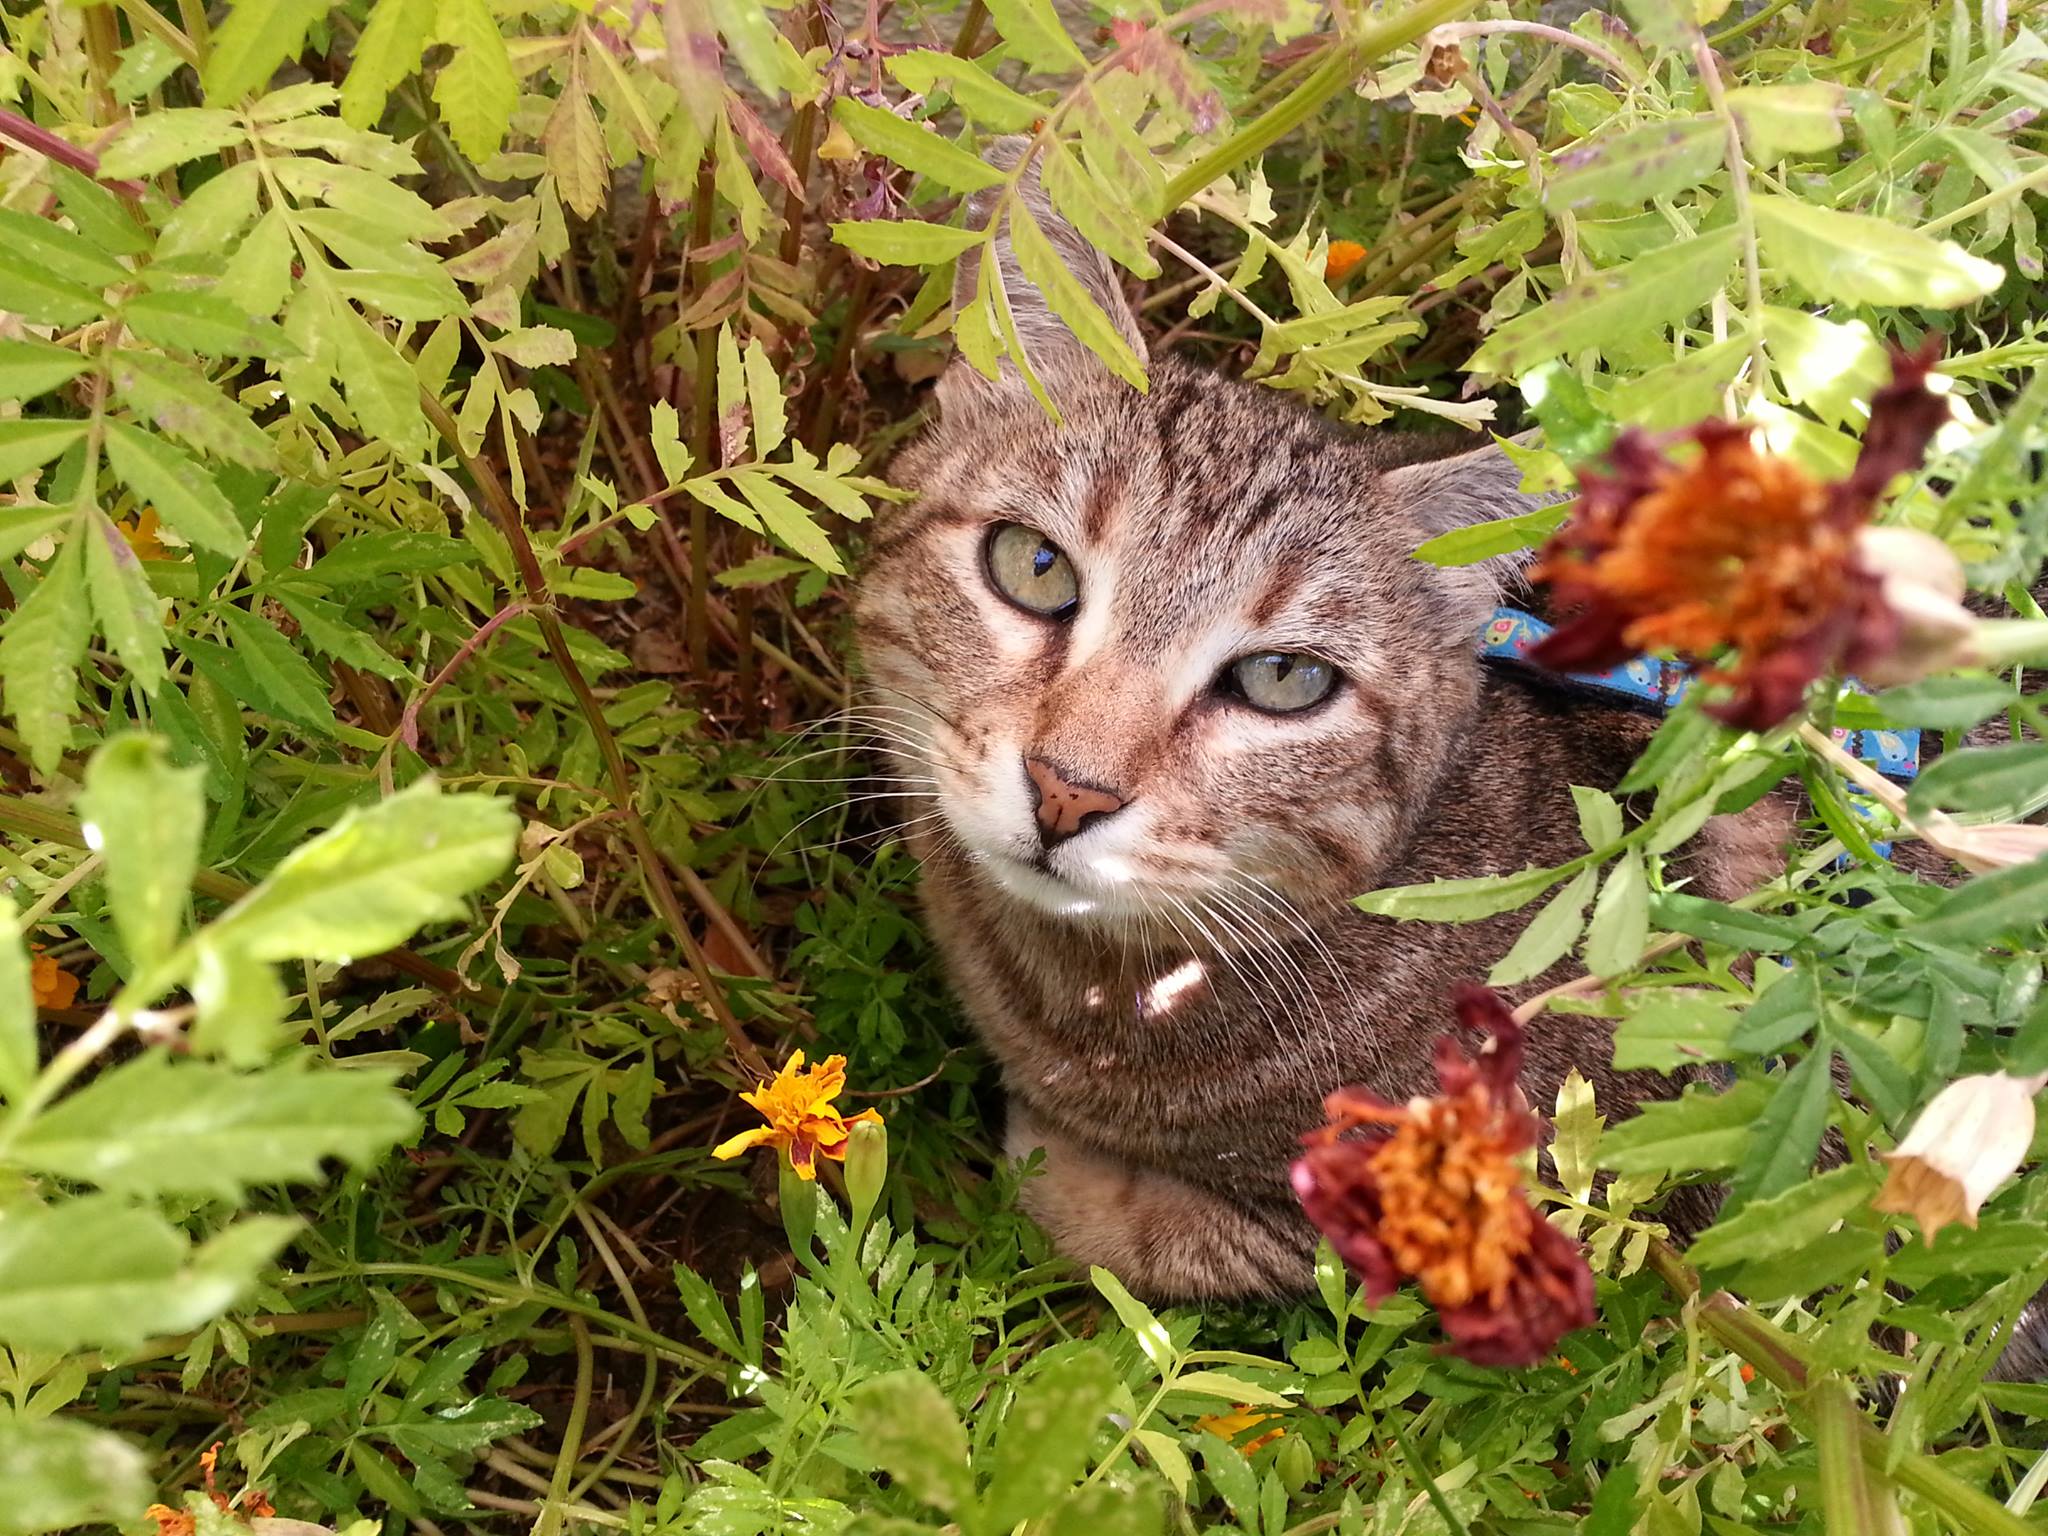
(661, 893)
(409, 722)
(696, 626)
(1745, 220)
(1608, 61)
(2005, 194)
(31, 136)
(1335, 74)
(550, 1520)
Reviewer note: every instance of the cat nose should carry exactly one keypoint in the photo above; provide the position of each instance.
(1065, 806)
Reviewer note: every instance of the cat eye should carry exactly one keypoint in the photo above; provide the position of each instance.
(1280, 682)
(1031, 571)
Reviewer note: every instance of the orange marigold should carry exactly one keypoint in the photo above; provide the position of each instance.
(802, 1122)
(1228, 1426)
(1434, 1193)
(1342, 259)
(1736, 556)
(142, 533)
(49, 983)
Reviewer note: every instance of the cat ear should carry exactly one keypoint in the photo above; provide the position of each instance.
(1440, 496)
(1055, 354)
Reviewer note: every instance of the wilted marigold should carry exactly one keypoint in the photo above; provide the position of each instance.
(1739, 551)
(1435, 1193)
(1342, 259)
(802, 1122)
(49, 983)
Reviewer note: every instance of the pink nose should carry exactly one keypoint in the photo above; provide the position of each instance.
(1066, 806)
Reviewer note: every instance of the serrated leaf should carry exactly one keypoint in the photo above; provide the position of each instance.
(17, 1009)
(286, 684)
(32, 368)
(978, 93)
(32, 291)
(1143, 1324)
(477, 89)
(1495, 536)
(1621, 918)
(1106, 222)
(374, 878)
(144, 817)
(1036, 34)
(257, 37)
(387, 50)
(98, 1273)
(381, 387)
(201, 323)
(368, 557)
(1983, 778)
(60, 1473)
(1459, 901)
(184, 404)
(1799, 1215)
(1671, 1030)
(574, 145)
(1704, 1130)
(1785, 1136)
(41, 646)
(1852, 258)
(464, 1430)
(1550, 934)
(764, 401)
(1041, 265)
(2006, 901)
(1781, 120)
(1947, 703)
(666, 438)
(1633, 167)
(159, 1125)
(26, 446)
(184, 495)
(913, 147)
(123, 602)
(1632, 302)
(156, 141)
(240, 1001)
(258, 276)
(913, 1433)
(905, 242)
(766, 56)
(206, 223)
(788, 522)
(56, 249)
(1046, 1436)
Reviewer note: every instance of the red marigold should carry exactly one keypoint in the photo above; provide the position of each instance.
(1736, 551)
(1435, 1194)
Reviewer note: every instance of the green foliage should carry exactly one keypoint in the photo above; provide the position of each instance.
(432, 433)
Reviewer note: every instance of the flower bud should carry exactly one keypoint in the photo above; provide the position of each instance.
(1295, 1463)
(797, 1195)
(1922, 583)
(867, 1166)
(1964, 1145)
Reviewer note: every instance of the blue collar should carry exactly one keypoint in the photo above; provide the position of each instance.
(1650, 683)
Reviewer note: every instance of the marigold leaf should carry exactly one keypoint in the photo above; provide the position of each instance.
(1853, 258)
(477, 89)
(40, 649)
(387, 50)
(186, 498)
(145, 818)
(912, 1431)
(914, 147)
(123, 602)
(60, 1473)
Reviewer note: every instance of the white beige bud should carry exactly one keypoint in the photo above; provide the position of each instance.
(1965, 1144)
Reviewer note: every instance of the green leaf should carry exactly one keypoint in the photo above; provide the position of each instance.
(364, 557)
(257, 38)
(912, 1432)
(381, 387)
(56, 249)
(1797, 1216)
(1780, 1016)
(1852, 258)
(913, 147)
(240, 1002)
(978, 93)
(905, 242)
(1036, 34)
(41, 647)
(1983, 909)
(1233, 1389)
(1118, 229)
(464, 1430)
(1704, 1129)
(1631, 168)
(1043, 1447)
(387, 50)
(476, 90)
(374, 878)
(786, 520)
(1459, 901)
(285, 683)
(1041, 266)
(17, 1009)
(1666, 1032)
(761, 571)
(26, 446)
(145, 819)
(1785, 1137)
(59, 1473)
(1719, 923)
(208, 221)
(32, 368)
(184, 495)
(1947, 703)
(666, 437)
(1983, 778)
(1781, 120)
(1633, 303)
(1496, 536)
(1550, 934)
(201, 323)
(185, 404)
(156, 141)
(764, 401)
(1621, 919)
(38, 295)
(1599, 816)
(98, 1273)
(1105, 1509)
(123, 602)
(1150, 1333)
(159, 1125)
(1168, 1457)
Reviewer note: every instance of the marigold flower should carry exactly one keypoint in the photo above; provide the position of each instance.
(141, 534)
(1228, 1426)
(171, 1522)
(1965, 1144)
(1741, 551)
(1342, 259)
(50, 984)
(802, 1122)
(1437, 1195)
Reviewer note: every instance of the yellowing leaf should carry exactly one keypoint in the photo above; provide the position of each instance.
(575, 148)
(1853, 258)
(477, 89)
(388, 50)
(257, 37)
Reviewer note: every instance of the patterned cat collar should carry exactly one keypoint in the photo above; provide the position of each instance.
(1655, 685)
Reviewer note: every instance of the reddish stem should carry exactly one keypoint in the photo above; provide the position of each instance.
(409, 722)
(30, 136)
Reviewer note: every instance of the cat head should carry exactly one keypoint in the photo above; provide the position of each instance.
(1169, 658)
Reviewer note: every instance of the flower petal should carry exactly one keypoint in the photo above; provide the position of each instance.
(733, 1146)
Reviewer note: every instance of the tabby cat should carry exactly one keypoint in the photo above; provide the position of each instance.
(1173, 690)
